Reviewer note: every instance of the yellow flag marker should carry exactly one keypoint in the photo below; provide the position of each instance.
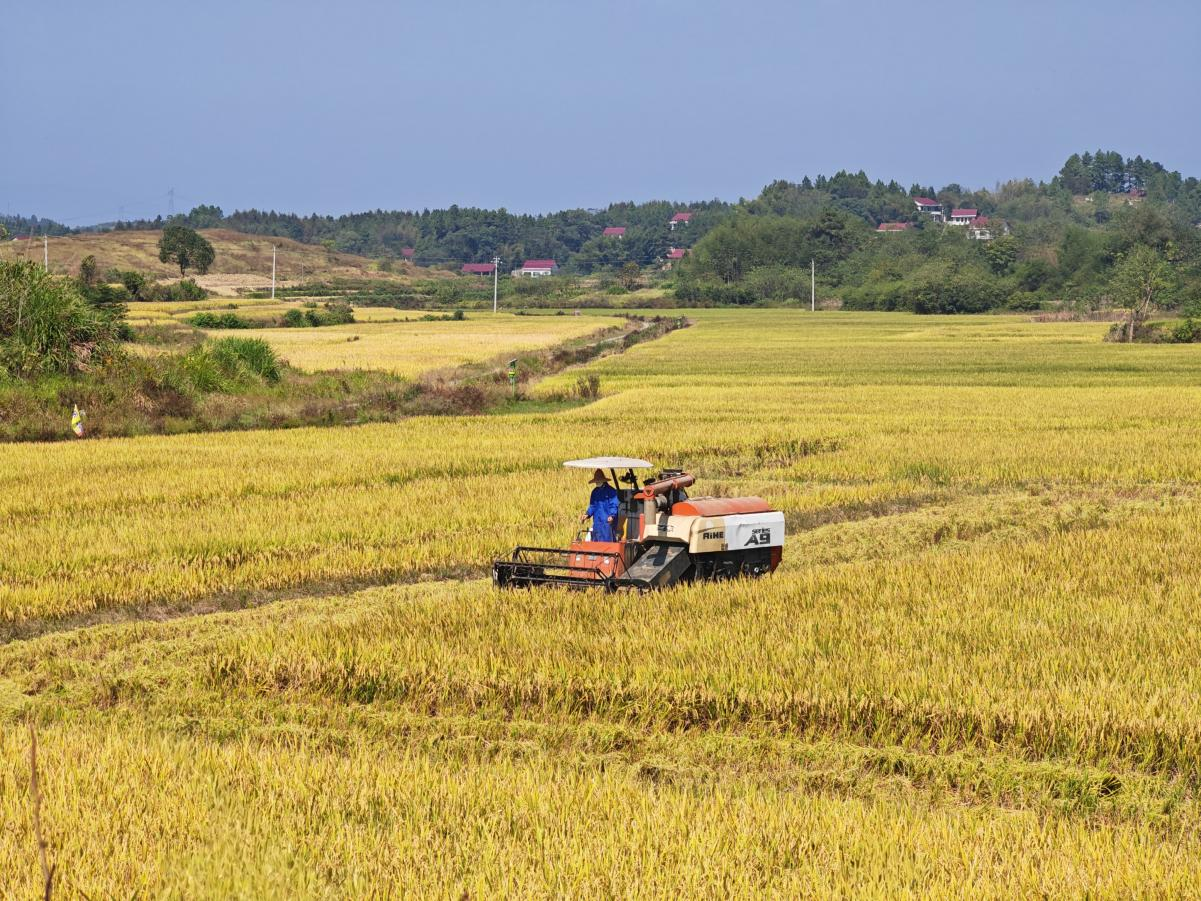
(77, 422)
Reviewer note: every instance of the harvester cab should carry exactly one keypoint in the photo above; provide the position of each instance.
(661, 537)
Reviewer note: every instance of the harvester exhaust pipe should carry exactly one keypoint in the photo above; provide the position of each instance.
(653, 490)
(683, 480)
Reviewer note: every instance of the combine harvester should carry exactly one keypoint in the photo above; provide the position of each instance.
(663, 538)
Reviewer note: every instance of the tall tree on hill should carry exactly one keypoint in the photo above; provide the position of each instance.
(186, 248)
(1074, 175)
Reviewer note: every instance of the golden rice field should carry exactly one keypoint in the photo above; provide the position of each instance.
(410, 348)
(271, 665)
(383, 338)
(149, 312)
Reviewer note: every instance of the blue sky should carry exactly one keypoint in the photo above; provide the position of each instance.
(536, 106)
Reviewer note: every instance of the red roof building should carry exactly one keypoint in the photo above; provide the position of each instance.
(894, 226)
(930, 206)
(614, 231)
(680, 219)
(980, 229)
(963, 216)
(676, 253)
(537, 268)
(478, 268)
(406, 252)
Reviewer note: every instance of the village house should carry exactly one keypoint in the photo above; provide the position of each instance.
(407, 253)
(894, 226)
(963, 216)
(679, 219)
(537, 269)
(929, 206)
(614, 231)
(478, 268)
(980, 229)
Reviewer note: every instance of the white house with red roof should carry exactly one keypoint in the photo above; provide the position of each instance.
(674, 255)
(407, 253)
(537, 269)
(680, 219)
(478, 268)
(929, 206)
(894, 226)
(980, 229)
(963, 216)
(614, 231)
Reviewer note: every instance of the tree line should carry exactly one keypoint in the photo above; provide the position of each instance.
(457, 235)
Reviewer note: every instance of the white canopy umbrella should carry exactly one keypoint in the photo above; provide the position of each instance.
(609, 463)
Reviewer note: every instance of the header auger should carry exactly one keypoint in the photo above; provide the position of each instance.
(662, 537)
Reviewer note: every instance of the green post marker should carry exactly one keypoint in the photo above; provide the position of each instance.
(513, 377)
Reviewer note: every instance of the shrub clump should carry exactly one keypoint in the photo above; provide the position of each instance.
(221, 320)
(223, 365)
(335, 312)
(47, 325)
(1187, 332)
(588, 387)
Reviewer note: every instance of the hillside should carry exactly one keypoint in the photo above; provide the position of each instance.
(242, 260)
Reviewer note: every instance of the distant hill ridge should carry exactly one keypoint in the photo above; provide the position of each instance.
(576, 240)
(237, 254)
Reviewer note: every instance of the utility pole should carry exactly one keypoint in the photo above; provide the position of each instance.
(273, 272)
(495, 281)
(813, 286)
(170, 203)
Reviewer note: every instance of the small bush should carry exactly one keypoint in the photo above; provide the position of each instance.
(222, 366)
(1187, 332)
(184, 289)
(198, 371)
(588, 387)
(336, 312)
(46, 325)
(133, 282)
(253, 353)
(221, 320)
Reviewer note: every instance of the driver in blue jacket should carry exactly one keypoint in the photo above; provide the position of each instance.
(602, 508)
